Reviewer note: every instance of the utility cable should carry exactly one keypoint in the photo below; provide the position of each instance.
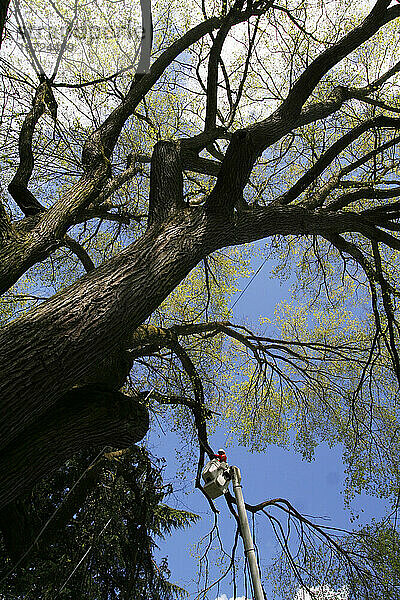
(50, 519)
(82, 559)
(249, 283)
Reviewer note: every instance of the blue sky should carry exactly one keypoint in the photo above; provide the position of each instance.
(314, 488)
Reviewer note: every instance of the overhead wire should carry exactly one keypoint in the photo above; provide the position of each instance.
(82, 559)
(249, 283)
(35, 541)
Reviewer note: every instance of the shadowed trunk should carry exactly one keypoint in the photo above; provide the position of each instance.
(58, 344)
(87, 417)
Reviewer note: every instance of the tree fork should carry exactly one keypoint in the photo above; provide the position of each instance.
(62, 342)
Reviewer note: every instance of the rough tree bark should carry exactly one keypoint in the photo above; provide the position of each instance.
(93, 417)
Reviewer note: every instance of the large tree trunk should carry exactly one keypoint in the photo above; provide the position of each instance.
(49, 350)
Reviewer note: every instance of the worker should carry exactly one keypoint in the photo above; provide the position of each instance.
(221, 455)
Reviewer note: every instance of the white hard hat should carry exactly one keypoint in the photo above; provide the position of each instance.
(221, 451)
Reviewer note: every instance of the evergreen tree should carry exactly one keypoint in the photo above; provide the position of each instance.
(112, 511)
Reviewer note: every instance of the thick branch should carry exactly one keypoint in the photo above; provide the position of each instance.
(116, 182)
(197, 164)
(337, 147)
(70, 208)
(361, 194)
(249, 143)
(166, 182)
(64, 339)
(96, 316)
(5, 225)
(313, 74)
(122, 216)
(318, 199)
(189, 149)
(80, 253)
(105, 137)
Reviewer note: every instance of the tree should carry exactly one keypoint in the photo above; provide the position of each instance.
(246, 153)
(377, 543)
(114, 512)
(380, 543)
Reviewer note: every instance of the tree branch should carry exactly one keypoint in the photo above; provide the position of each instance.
(80, 252)
(213, 62)
(361, 194)
(329, 155)
(318, 199)
(5, 225)
(18, 187)
(247, 144)
(103, 140)
(313, 74)
(166, 182)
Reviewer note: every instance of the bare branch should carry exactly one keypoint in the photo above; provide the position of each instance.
(80, 252)
(18, 187)
(337, 147)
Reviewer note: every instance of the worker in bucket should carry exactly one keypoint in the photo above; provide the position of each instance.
(221, 455)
